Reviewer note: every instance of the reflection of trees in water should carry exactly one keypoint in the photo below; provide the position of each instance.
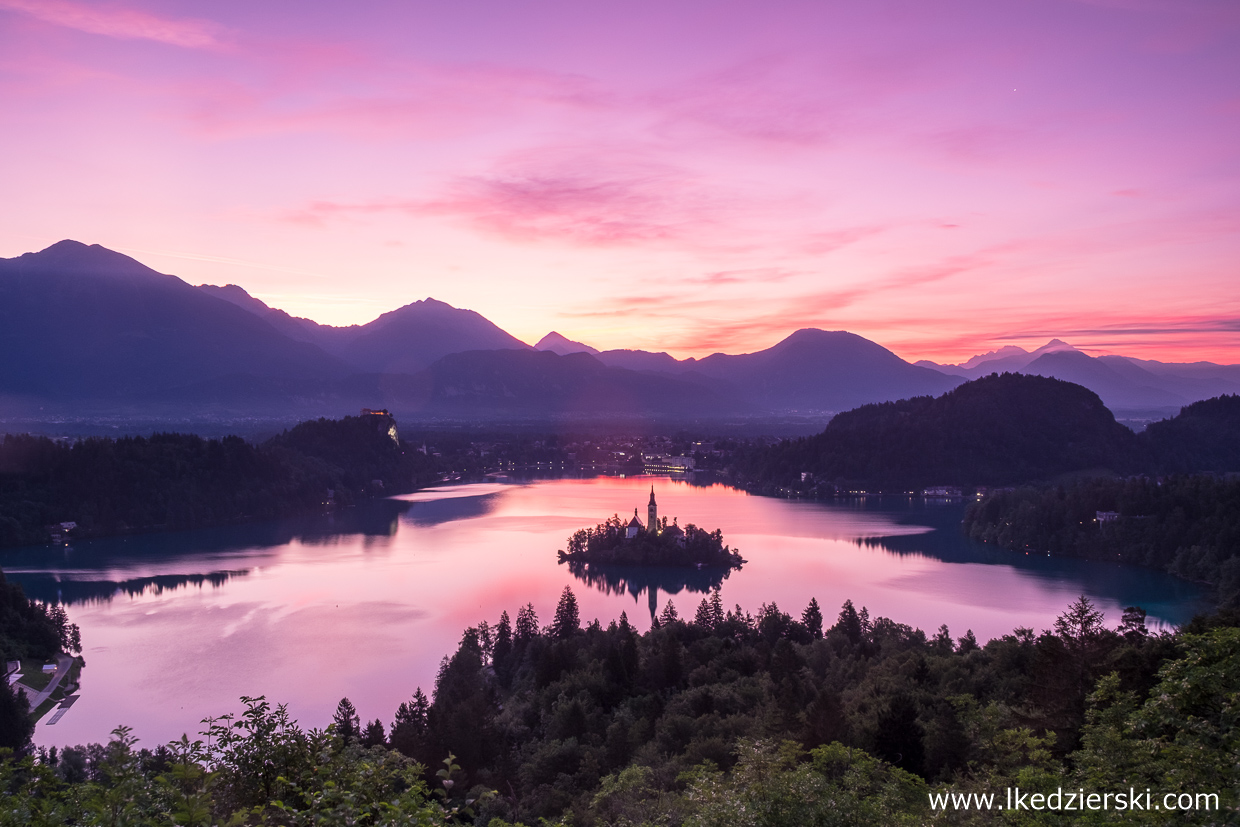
(1164, 596)
(449, 509)
(634, 580)
(49, 589)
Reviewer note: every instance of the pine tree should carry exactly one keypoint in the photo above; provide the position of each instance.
(716, 607)
(348, 724)
(567, 620)
(527, 624)
(410, 730)
(503, 642)
(812, 618)
(849, 623)
(373, 735)
(702, 617)
(669, 614)
(942, 642)
(1081, 624)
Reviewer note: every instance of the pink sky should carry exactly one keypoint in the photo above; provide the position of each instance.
(695, 176)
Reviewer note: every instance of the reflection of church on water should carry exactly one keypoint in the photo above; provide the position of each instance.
(634, 580)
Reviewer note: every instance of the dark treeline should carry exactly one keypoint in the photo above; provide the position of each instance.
(170, 481)
(726, 718)
(1000, 430)
(602, 724)
(1188, 525)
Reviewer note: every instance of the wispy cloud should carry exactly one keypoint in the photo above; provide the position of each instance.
(593, 201)
(716, 322)
(120, 22)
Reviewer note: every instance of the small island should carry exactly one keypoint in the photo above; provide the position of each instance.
(655, 543)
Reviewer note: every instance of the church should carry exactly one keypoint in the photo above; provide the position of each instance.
(635, 526)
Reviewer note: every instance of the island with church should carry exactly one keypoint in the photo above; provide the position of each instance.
(654, 543)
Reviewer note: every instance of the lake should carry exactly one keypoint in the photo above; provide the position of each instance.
(365, 603)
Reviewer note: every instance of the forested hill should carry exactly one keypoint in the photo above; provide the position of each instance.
(1204, 437)
(170, 481)
(999, 430)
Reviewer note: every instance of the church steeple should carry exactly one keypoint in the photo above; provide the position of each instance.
(652, 514)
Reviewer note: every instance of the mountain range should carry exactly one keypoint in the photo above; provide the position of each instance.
(1124, 383)
(87, 330)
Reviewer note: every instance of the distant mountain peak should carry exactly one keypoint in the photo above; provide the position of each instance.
(69, 256)
(1053, 346)
(562, 345)
(1001, 353)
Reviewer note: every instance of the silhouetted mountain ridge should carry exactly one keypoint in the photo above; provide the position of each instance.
(88, 329)
(87, 322)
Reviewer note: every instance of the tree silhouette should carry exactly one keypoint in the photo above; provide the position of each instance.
(348, 724)
(373, 735)
(567, 620)
(849, 623)
(812, 618)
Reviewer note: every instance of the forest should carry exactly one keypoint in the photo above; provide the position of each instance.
(724, 718)
(174, 481)
(1000, 430)
(1187, 525)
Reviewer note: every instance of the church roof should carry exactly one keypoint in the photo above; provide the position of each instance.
(652, 495)
(674, 530)
(635, 522)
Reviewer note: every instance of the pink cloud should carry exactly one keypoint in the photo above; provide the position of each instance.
(819, 309)
(119, 22)
(593, 201)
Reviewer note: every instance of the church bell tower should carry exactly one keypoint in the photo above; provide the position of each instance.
(652, 514)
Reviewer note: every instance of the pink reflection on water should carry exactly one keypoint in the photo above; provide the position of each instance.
(370, 617)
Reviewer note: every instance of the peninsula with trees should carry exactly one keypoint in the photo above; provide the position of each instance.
(653, 543)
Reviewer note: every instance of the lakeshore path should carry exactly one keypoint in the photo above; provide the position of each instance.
(63, 662)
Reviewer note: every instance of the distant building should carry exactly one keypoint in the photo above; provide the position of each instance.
(386, 422)
(676, 533)
(1106, 516)
(634, 527)
(941, 491)
(666, 464)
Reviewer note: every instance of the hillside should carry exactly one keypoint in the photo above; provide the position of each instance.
(542, 383)
(79, 322)
(999, 430)
(1205, 436)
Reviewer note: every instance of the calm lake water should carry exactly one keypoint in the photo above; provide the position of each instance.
(364, 604)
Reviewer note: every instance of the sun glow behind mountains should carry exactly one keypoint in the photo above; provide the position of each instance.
(687, 179)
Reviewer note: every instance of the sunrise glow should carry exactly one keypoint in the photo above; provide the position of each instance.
(943, 179)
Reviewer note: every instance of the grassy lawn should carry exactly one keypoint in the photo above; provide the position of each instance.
(34, 676)
(43, 708)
